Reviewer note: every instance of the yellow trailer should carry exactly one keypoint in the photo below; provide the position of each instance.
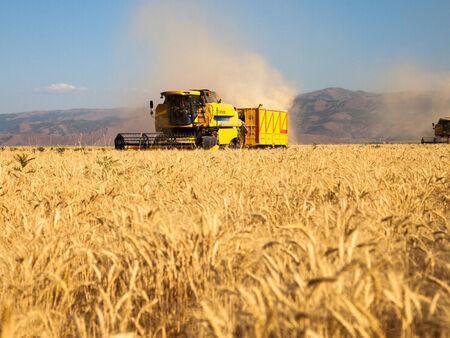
(265, 127)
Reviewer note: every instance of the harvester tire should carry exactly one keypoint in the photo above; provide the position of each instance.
(208, 142)
(234, 144)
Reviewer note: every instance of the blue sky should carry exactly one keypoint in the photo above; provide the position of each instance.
(69, 54)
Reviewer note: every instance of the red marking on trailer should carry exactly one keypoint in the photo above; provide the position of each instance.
(278, 120)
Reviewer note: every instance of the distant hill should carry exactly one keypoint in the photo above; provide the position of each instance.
(331, 115)
(336, 115)
(70, 127)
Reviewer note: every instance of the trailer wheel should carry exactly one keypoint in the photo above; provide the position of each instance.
(208, 142)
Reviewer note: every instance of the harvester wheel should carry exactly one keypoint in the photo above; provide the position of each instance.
(208, 142)
(234, 144)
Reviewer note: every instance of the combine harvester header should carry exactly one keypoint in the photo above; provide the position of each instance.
(199, 119)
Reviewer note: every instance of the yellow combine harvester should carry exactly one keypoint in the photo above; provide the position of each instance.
(199, 118)
(441, 132)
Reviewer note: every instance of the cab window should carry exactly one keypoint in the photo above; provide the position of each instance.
(212, 98)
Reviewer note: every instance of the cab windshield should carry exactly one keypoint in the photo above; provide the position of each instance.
(445, 125)
(212, 97)
(182, 109)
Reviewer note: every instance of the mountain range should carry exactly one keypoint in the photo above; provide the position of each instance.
(331, 115)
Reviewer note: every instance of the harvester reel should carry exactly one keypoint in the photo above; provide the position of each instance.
(436, 139)
(144, 141)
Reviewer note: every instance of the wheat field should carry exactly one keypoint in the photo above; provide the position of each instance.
(313, 241)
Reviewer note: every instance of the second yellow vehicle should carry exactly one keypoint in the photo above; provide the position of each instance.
(441, 132)
(199, 118)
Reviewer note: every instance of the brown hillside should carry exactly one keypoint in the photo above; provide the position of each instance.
(336, 115)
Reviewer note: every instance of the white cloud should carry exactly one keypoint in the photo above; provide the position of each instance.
(60, 88)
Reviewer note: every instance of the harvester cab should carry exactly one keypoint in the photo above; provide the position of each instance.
(441, 132)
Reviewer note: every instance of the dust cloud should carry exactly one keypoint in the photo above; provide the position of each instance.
(187, 50)
(414, 99)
